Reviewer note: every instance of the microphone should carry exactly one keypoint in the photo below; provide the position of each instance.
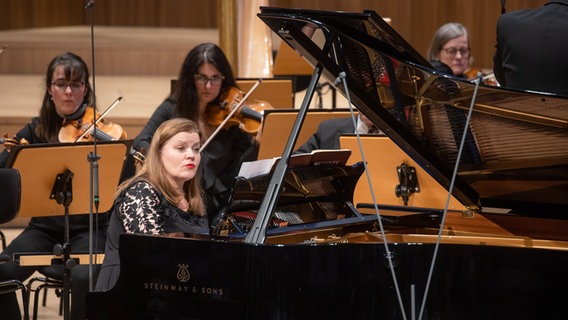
(89, 4)
(341, 76)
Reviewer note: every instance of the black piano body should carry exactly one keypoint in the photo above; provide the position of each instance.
(175, 278)
(512, 172)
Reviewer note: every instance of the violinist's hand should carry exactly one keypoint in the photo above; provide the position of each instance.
(10, 142)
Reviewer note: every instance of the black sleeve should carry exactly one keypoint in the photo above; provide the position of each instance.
(313, 143)
(497, 58)
(164, 112)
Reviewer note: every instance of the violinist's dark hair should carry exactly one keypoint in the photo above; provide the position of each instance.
(185, 96)
(75, 69)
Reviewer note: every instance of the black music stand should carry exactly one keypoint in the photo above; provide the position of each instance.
(41, 184)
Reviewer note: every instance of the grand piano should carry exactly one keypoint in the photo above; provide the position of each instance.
(275, 253)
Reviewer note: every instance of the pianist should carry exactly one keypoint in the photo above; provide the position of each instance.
(163, 197)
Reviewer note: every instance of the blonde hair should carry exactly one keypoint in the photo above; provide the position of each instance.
(153, 170)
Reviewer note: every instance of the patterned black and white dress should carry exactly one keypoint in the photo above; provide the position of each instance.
(141, 208)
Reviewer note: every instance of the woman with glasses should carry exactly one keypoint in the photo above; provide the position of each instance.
(204, 76)
(449, 50)
(67, 94)
(450, 53)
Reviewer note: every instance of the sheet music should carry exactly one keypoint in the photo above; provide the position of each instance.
(335, 157)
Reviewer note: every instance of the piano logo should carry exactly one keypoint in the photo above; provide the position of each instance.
(183, 273)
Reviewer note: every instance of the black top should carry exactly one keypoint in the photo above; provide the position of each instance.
(327, 135)
(531, 49)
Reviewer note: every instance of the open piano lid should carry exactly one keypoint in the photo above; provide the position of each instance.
(515, 156)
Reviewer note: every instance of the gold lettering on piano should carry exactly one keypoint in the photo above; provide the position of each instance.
(170, 287)
(165, 287)
(183, 276)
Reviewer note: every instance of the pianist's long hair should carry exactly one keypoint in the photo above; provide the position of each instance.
(154, 172)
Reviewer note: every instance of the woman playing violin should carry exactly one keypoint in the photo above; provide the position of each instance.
(67, 93)
(450, 52)
(204, 77)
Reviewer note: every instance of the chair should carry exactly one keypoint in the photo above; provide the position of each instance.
(10, 194)
(52, 279)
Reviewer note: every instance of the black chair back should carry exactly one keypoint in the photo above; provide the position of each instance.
(10, 194)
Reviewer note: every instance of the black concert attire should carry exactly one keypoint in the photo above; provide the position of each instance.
(328, 133)
(141, 208)
(220, 160)
(40, 236)
(531, 49)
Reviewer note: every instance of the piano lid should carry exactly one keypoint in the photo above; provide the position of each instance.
(515, 154)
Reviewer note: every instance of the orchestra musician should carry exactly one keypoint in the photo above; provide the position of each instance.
(450, 52)
(203, 79)
(163, 196)
(68, 93)
(328, 133)
(531, 48)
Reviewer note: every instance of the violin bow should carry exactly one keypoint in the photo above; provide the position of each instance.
(230, 115)
(101, 117)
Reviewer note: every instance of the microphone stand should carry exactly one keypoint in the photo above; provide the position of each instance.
(62, 192)
(93, 157)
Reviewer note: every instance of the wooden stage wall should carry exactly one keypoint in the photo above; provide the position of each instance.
(415, 20)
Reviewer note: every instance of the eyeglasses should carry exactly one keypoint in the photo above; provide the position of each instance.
(452, 52)
(203, 79)
(74, 85)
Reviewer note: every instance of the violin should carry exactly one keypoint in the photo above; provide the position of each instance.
(248, 116)
(487, 79)
(83, 129)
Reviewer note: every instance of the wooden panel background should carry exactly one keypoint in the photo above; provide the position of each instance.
(415, 20)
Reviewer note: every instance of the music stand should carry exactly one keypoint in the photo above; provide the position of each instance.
(61, 172)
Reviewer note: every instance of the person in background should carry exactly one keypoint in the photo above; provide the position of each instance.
(164, 196)
(449, 50)
(531, 49)
(205, 77)
(67, 94)
(328, 133)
